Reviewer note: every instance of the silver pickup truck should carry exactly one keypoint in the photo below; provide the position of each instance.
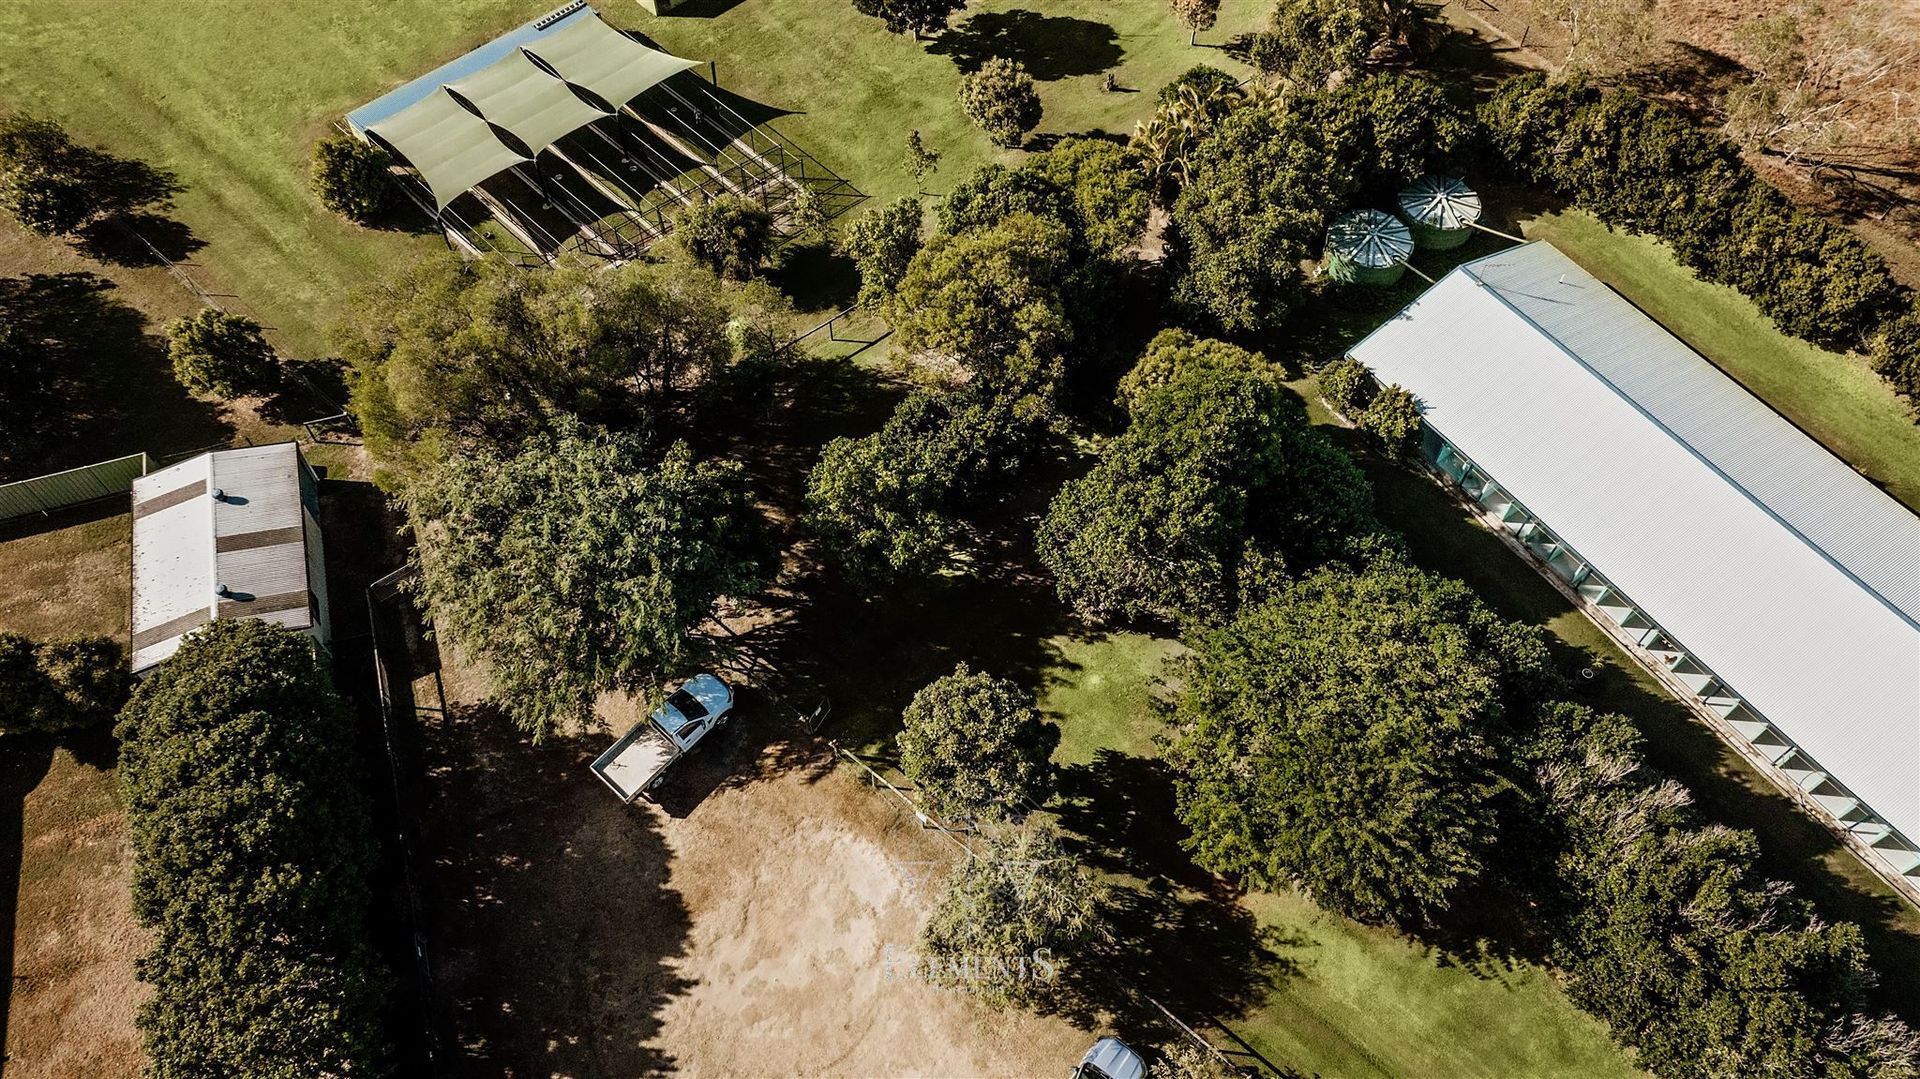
(635, 763)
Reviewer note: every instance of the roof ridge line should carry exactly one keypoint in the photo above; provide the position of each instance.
(1687, 444)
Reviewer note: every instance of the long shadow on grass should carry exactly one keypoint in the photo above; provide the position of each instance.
(113, 386)
(24, 760)
(1050, 47)
(1443, 537)
(553, 929)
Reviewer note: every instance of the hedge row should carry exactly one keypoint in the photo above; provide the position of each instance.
(1639, 165)
(252, 847)
(1667, 933)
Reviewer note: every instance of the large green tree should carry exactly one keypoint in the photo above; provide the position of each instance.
(975, 746)
(1012, 918)
(579, 564)
(252, 853)
(1347, 736)
(993, 301)
(916, 17)
(354, 178)
(1667, 931)
(887, 506)
(449, 356)
(1219, 480)
(1106, 186)
(731, 235)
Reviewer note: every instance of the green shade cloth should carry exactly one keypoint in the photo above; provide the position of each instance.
(451, 148)
(603, 61)
(517, 95)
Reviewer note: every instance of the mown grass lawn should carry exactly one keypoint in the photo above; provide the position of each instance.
(1344, 999)
(232, 96)
(1834, 398)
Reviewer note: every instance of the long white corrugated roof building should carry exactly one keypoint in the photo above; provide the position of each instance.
(1764, 574)
(227, 534)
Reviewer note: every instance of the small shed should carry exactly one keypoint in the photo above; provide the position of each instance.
(1440, 210)
(228, 534)
(1368, 247)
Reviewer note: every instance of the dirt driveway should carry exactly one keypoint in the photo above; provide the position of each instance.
(743, 927)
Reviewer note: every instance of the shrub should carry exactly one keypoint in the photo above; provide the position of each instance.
(882, 243)
(353, 179)
(975, 747)
(922, 160)
(730, 235)
(221, 354)
(252, 853)
(1348, 386)
(1637, 164)
(1394, 418)
(1001, 100)
(1011, 918)
(1895, 353)
(60, 685)
(54, 186)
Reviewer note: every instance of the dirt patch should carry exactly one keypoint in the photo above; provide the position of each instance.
(74, 940)
(743, 926)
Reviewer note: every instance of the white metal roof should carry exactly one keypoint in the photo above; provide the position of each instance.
(187, 544)
(1786, 573)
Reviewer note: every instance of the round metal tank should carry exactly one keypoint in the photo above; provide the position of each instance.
(1441, 211)
(1368, 247)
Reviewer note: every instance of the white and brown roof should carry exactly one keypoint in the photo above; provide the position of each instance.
(222, 535)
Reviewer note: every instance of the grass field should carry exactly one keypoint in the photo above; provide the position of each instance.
(1834, 398)
(231, 97)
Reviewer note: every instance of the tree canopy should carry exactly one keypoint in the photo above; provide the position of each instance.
(54, 186)
(579, 564)
(53, 686)
(1000, 99)
(992, 300)
(354, 178)
(449, 356)
(882, 243)
(1347, 736)
(252, 854)
(886, 506)
(221, 354)
(916, 17)
(730, 235)
(1011, 918)
(1219, 474)
(975, 746)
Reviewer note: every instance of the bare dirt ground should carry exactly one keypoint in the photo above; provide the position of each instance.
(743, 926)
(73, 942)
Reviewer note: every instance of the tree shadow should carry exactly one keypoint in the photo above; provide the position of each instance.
(24, 761)
(816, 277)
(114, 386)
(119, 241)
(308, 390)
(699, 9)
(1049, 47)
(1443, 536)
(551, 924)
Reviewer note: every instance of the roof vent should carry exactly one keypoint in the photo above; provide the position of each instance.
(219, 495)
(222, 590)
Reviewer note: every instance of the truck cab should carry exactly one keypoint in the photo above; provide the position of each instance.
(639, 759)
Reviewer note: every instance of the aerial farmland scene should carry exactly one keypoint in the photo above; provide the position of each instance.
(1117, 539)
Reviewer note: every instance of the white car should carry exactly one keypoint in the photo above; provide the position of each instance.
(637, 761)
(1110, 1058)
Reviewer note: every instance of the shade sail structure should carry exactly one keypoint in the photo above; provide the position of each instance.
(1786, 574)
(451, 148)
(603, 61)
(515, 94)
